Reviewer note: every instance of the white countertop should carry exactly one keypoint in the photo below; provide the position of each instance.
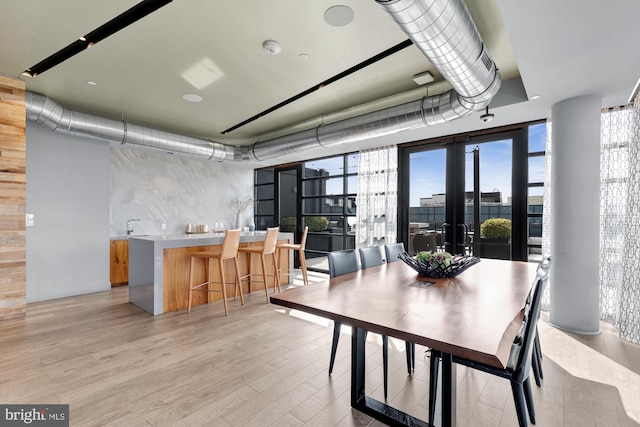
(197, 239)
(146, 262)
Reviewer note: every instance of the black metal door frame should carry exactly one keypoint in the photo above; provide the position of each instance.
(454, 234)
(297, 168)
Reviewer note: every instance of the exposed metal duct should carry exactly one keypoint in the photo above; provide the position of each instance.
(442, 29)
(52, 115)
(445, 33)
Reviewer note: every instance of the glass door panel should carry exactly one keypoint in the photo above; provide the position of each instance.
(454, 187)
(486, 231)
(427, 200)
(287, 200)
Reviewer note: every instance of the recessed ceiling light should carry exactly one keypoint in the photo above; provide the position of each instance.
(91, 83)
(338, 16)
(192, 97)
(303, 56)
(534, 97)
(202, 73)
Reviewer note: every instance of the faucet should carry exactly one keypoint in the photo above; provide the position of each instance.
(130, 225)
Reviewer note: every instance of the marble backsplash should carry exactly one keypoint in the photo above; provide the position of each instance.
(157, 189)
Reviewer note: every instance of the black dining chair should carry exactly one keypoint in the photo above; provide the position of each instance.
(392, 250)
(340, 262)
(520, 359)
(371, 257)
(536, 362)
(344, 262)
(425, 242)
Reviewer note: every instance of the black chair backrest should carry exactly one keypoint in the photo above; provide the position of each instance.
(531, 316)
(425, 242)
(545, 266)
(371, 257)
(343, 262)
(392, 250)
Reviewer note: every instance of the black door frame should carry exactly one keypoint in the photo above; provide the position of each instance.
(455, 183)
(277, 200)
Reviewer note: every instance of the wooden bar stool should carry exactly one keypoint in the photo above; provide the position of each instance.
(228, 251)
(300, 248)
(268, 247)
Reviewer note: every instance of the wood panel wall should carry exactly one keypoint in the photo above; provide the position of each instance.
(13, 183)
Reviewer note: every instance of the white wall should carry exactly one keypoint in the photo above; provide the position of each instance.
(68, 192)
(158, 189)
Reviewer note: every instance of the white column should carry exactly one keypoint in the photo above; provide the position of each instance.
(575, 192)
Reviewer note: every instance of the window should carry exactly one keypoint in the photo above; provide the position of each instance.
(264, 181)
(329, 188)
(537, 142)
(326, 203)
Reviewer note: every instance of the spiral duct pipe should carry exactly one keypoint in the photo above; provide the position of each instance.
(442, 29)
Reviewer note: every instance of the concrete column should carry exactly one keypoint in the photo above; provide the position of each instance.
(575, 216)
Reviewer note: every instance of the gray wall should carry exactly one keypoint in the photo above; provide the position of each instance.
(68, 192)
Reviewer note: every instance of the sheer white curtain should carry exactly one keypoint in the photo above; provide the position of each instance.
(377, 200)
(620, 220)
(546, 208)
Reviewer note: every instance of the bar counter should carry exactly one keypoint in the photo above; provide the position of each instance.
(159, 268)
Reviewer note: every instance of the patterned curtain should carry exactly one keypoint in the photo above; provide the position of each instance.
(620, 220)
(546, 209)
(377, 200)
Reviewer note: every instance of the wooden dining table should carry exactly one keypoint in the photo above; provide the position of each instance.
(475, 315)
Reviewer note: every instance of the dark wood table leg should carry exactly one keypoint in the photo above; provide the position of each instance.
(449, 391)
(374, 408)
(357, 365)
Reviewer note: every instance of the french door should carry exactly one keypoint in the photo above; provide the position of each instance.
(451, 187)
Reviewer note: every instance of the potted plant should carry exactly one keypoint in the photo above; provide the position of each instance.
(315, 223)
(288, 224)
(495, 238)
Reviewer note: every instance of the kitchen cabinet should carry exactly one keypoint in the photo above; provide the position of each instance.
(160, 265)
(119, 262)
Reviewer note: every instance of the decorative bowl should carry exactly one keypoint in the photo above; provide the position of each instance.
(440, 266)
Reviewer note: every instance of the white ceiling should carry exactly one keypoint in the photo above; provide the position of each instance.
(560, 50)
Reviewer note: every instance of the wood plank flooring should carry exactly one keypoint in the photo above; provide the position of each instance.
(116, 365)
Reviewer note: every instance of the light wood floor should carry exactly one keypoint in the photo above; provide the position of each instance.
(263, 365)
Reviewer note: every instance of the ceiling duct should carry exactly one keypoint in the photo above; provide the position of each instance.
(52, 115)
(442, 29)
